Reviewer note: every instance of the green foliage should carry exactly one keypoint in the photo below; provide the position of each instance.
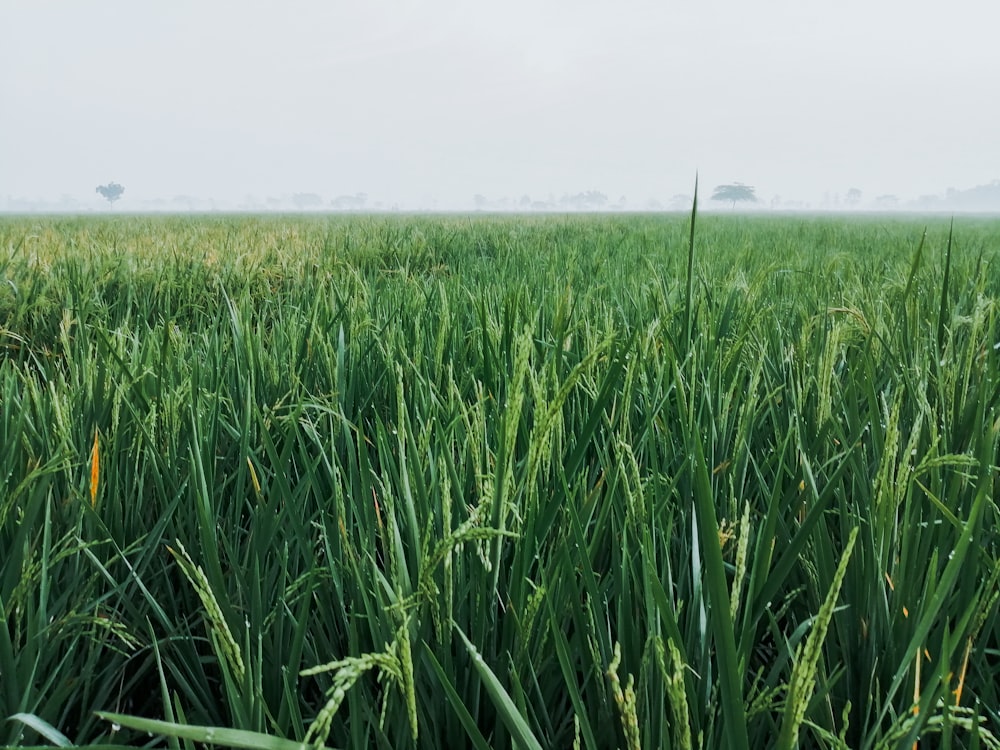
(439, 482)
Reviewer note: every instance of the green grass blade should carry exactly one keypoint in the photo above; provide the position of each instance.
(207, 735)
(732, 708)
(505, 707)
(689, 287)
(941, 591)
(730, 674)
(943, 308)
(569, 675)
(45, 729)
(457, 704)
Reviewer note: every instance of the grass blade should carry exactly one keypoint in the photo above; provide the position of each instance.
(45, 729)
(505, 707)
(730, 673)
(208, 735)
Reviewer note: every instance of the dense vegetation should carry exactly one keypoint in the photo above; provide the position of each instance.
(497, 482)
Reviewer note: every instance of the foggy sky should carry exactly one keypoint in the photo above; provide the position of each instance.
(427, 103)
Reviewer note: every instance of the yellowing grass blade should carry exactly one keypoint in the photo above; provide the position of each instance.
(95, 469)
(253, 478)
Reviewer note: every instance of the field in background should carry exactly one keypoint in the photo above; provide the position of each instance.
(499, 481)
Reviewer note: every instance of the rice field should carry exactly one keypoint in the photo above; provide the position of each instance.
(499, 482)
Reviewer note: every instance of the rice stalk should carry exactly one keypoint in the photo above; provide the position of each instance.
(222, 636)
(807, 657)
(625, 701)
(346, 672)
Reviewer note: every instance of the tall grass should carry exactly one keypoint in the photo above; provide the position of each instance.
(499, 482)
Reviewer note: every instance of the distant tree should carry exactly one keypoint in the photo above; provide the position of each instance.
(681, 202)
(480, 200)
(111, 192)
(304, 201)
(592, 200)
(185, 202)
(978, 198)
(354, 202)
(737, 191)
(853, 197)
(929, 202)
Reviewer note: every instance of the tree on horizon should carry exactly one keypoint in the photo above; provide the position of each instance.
(734, 192)
(111, 192)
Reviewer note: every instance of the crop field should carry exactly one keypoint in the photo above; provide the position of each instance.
(707, 481)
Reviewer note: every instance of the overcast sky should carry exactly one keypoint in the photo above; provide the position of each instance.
(414, 102)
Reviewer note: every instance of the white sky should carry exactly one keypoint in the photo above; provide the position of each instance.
(414, 102)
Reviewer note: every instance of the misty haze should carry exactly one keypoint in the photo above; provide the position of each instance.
(425, 106)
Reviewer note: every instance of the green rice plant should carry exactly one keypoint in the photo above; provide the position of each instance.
(472, 463)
